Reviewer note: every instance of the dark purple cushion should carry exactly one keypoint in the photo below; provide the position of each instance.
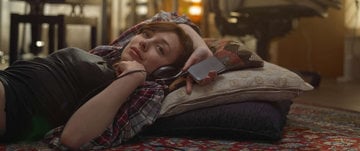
(255, 120)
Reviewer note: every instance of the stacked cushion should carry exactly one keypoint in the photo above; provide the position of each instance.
(249, 101)
(255, 120)
(270, 83)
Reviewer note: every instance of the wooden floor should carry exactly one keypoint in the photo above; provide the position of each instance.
(332, 93)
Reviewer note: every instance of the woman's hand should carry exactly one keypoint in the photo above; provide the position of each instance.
(201, 52)
(198, 55)
(209, 78)
(123, 67)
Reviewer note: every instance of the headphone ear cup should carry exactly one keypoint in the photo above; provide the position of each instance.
(164, 72)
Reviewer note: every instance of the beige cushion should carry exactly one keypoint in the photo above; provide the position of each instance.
(270, 83)
(233, 54)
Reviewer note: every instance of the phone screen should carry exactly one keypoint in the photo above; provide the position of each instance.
(200, 70)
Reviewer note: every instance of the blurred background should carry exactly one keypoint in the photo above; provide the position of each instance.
(319, 36)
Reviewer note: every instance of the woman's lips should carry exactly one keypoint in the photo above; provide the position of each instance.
(136, 53)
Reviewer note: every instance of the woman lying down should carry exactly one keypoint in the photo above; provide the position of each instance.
(82, 100)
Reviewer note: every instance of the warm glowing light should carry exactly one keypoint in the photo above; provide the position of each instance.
(141, 1)
(235, 14)
(196, 1)
(193, 1)
(40, 44)
(141, 10)
(232, 20)
(195, 10)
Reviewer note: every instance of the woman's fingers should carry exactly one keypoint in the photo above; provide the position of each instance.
(198, 55)
(213, 74)
(189, 83)
(210, 78)
(117, 69)
(124, 66)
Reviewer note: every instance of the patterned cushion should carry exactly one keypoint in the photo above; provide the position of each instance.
(270, 83)
(234, 54)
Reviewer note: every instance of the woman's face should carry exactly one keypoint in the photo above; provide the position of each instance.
(153, 49)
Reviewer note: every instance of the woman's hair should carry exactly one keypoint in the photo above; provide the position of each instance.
(185, 40)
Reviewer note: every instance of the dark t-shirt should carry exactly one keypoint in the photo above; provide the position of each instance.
(43, 93)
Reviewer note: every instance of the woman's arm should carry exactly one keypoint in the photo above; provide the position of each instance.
(92, 118)
(201, 52)
(111, 52)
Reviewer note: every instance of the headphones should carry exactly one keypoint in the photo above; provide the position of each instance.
(165, 74)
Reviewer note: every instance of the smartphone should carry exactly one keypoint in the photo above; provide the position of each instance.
(200, 70)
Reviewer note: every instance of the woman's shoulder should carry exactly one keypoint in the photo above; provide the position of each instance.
(72, 52)
(72, 55)
(69, 50)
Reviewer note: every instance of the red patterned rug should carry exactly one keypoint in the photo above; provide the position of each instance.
(308, 128)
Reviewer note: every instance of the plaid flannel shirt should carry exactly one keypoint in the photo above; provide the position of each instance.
(142, 107)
